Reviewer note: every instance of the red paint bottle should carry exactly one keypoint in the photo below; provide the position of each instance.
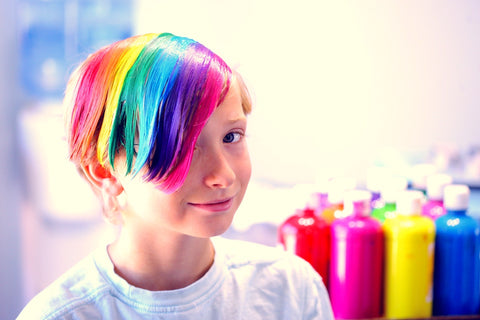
(308, 236)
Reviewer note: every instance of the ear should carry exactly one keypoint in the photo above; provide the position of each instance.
(102, 179)
(108, 189)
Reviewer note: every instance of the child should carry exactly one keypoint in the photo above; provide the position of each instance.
(156, 123)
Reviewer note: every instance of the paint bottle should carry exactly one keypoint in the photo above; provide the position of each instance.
(356, 265)
(419, 174)
(386, 207)
(307, 236)
(374, 182)
(409, 250)
(457, 257)
(436, 183)
(319, 197)
(336, 191)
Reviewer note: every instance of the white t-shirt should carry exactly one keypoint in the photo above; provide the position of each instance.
(246, 281)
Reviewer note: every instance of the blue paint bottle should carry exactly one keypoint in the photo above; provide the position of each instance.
(457, 257)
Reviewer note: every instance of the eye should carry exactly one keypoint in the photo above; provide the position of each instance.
(232, 137)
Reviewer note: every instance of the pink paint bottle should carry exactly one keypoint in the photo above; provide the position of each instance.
(356, 266)
(434, 207)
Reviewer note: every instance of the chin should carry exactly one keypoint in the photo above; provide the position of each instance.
(213, 228)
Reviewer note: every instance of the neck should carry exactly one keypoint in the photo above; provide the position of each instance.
(156, 262)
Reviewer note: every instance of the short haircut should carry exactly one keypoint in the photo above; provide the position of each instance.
(150, 95)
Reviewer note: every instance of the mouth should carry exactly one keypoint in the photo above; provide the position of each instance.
(214, 206)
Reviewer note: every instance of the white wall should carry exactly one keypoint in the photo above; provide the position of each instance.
(338, 82)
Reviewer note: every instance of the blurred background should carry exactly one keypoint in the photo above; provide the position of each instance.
(339, 87)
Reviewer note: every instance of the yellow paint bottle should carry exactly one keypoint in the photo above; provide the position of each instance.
(409, 250)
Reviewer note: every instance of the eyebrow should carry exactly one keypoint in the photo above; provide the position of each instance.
(241, 118)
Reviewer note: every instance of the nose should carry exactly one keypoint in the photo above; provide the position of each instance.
(219, 171)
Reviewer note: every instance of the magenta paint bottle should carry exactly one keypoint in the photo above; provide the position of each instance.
(356, 266)
(434, 207)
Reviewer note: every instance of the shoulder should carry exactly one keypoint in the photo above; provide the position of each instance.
(78, 287)
(284, 283)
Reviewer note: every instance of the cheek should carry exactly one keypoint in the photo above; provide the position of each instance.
(194, 175)
(138, 199)
(143, 198)
(244, 166)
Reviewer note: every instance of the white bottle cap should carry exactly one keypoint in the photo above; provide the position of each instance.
(357, 200)
(409, 202)
(337, 188)
(436, 184)
(456, 197)
(391, 187)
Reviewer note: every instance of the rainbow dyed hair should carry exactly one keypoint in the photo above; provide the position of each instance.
(150, 95)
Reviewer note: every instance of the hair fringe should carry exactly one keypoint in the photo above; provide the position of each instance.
(156, 91)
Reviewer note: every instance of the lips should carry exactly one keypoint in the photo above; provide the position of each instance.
(215, 206)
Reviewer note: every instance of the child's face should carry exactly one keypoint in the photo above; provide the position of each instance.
(215, 185)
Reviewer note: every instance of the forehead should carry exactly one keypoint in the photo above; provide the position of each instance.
(231, 107)
(230, 112)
